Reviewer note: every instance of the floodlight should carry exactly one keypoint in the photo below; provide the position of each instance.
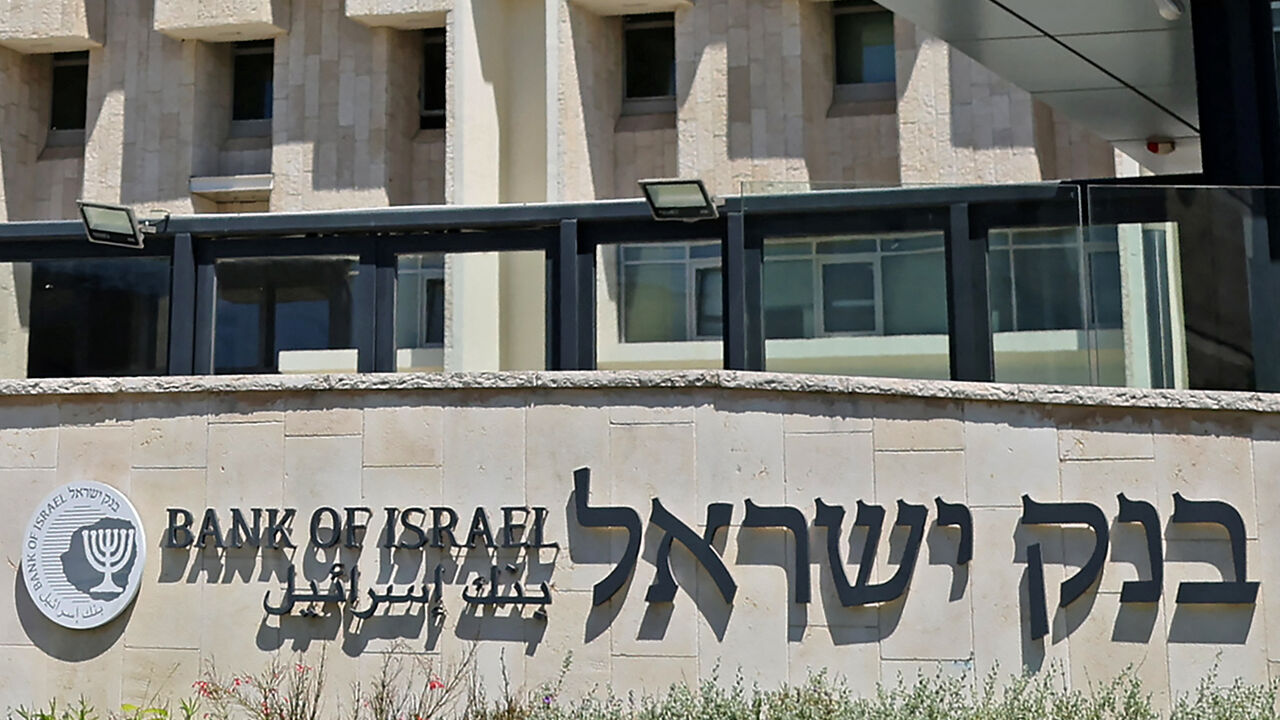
(1170, 9)
(110, 225)
(685, 200)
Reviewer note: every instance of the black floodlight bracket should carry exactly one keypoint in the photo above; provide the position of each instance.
(122, 229)
(686, 213)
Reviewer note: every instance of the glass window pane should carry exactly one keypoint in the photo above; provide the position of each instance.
(709, 284)
(915, 293)
(773, 249)
(1000, 290)
(654, 308)
(96, 317)
(237, 343)
(632, 253)
(419, 300)
(269, 306)
(1104, 286)
(432, 94)
(650, 61)
(913, 243)
(848, 297)
(70, 88)
(1047, 288)
(302, 320)
(409, 310)
(251, 94)
(788, 299)
(864, 47)
(1051, 236)
(433, 76)
(847, 247)
(434, 309)
(705, 250)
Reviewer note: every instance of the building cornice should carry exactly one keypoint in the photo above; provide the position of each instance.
(1030, 394)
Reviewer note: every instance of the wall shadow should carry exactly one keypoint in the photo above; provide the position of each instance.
(64, 643)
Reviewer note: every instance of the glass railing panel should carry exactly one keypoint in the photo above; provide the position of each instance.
(470, 312)
(659, 306)
(290, 315)
(1054, 297)
(1192, 262)
(84, 317)
(864, 303)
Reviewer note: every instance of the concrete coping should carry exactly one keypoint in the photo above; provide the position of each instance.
(642, 380)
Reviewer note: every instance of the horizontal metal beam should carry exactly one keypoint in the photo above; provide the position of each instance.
(426, 218)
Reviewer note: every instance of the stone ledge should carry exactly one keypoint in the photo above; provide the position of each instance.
(704, 379)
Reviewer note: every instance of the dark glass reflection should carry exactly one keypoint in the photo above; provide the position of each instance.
(432, 94)
(650, 56)
(99, 317)
(252, 78)
(70, 89)
(268, 306)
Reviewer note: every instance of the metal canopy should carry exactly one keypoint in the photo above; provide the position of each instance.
(1114, 66)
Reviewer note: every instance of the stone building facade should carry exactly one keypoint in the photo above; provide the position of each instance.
(534, 107)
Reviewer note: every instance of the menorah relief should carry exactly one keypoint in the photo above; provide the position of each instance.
(107, 550)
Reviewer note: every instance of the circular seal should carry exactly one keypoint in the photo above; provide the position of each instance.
(82, 555)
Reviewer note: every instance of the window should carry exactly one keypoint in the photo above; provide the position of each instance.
(420, 301)
(431, 98)
(812, 288)
(864, 54)
(671, 292)
(252, 63)
(649, 55)
(266, 307)
(1052, 279)
(70, 88)
(855, 286)
(99, 316)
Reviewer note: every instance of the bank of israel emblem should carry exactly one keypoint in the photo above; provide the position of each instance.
(82, 555)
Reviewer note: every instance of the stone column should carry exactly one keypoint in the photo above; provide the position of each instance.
(495, 152)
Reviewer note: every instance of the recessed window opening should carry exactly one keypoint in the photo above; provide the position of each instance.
(649, 57)
(431, 93)
(864, 51)
(251, 88)
(68, 106)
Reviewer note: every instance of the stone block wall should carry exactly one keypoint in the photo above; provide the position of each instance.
(537, 97)
(687, 439)
(46, 26)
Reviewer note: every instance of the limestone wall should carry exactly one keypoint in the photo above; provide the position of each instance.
(535, 93)
(687, 440)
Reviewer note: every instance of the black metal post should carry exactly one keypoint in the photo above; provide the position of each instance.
(732, 262)
(563, 299)
(182, 306)
(968, 311)
(364, 310)
(384, 344)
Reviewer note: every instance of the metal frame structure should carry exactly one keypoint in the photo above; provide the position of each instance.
(569, 234)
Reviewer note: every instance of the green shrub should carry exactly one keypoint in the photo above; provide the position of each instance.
(418, 688)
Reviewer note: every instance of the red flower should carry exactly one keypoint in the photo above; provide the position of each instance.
(435, 684)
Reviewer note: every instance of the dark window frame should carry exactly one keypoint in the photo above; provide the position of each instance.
(433, 115)
(71, 132)
(647, 104)
(858, 91)
(246, 123)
